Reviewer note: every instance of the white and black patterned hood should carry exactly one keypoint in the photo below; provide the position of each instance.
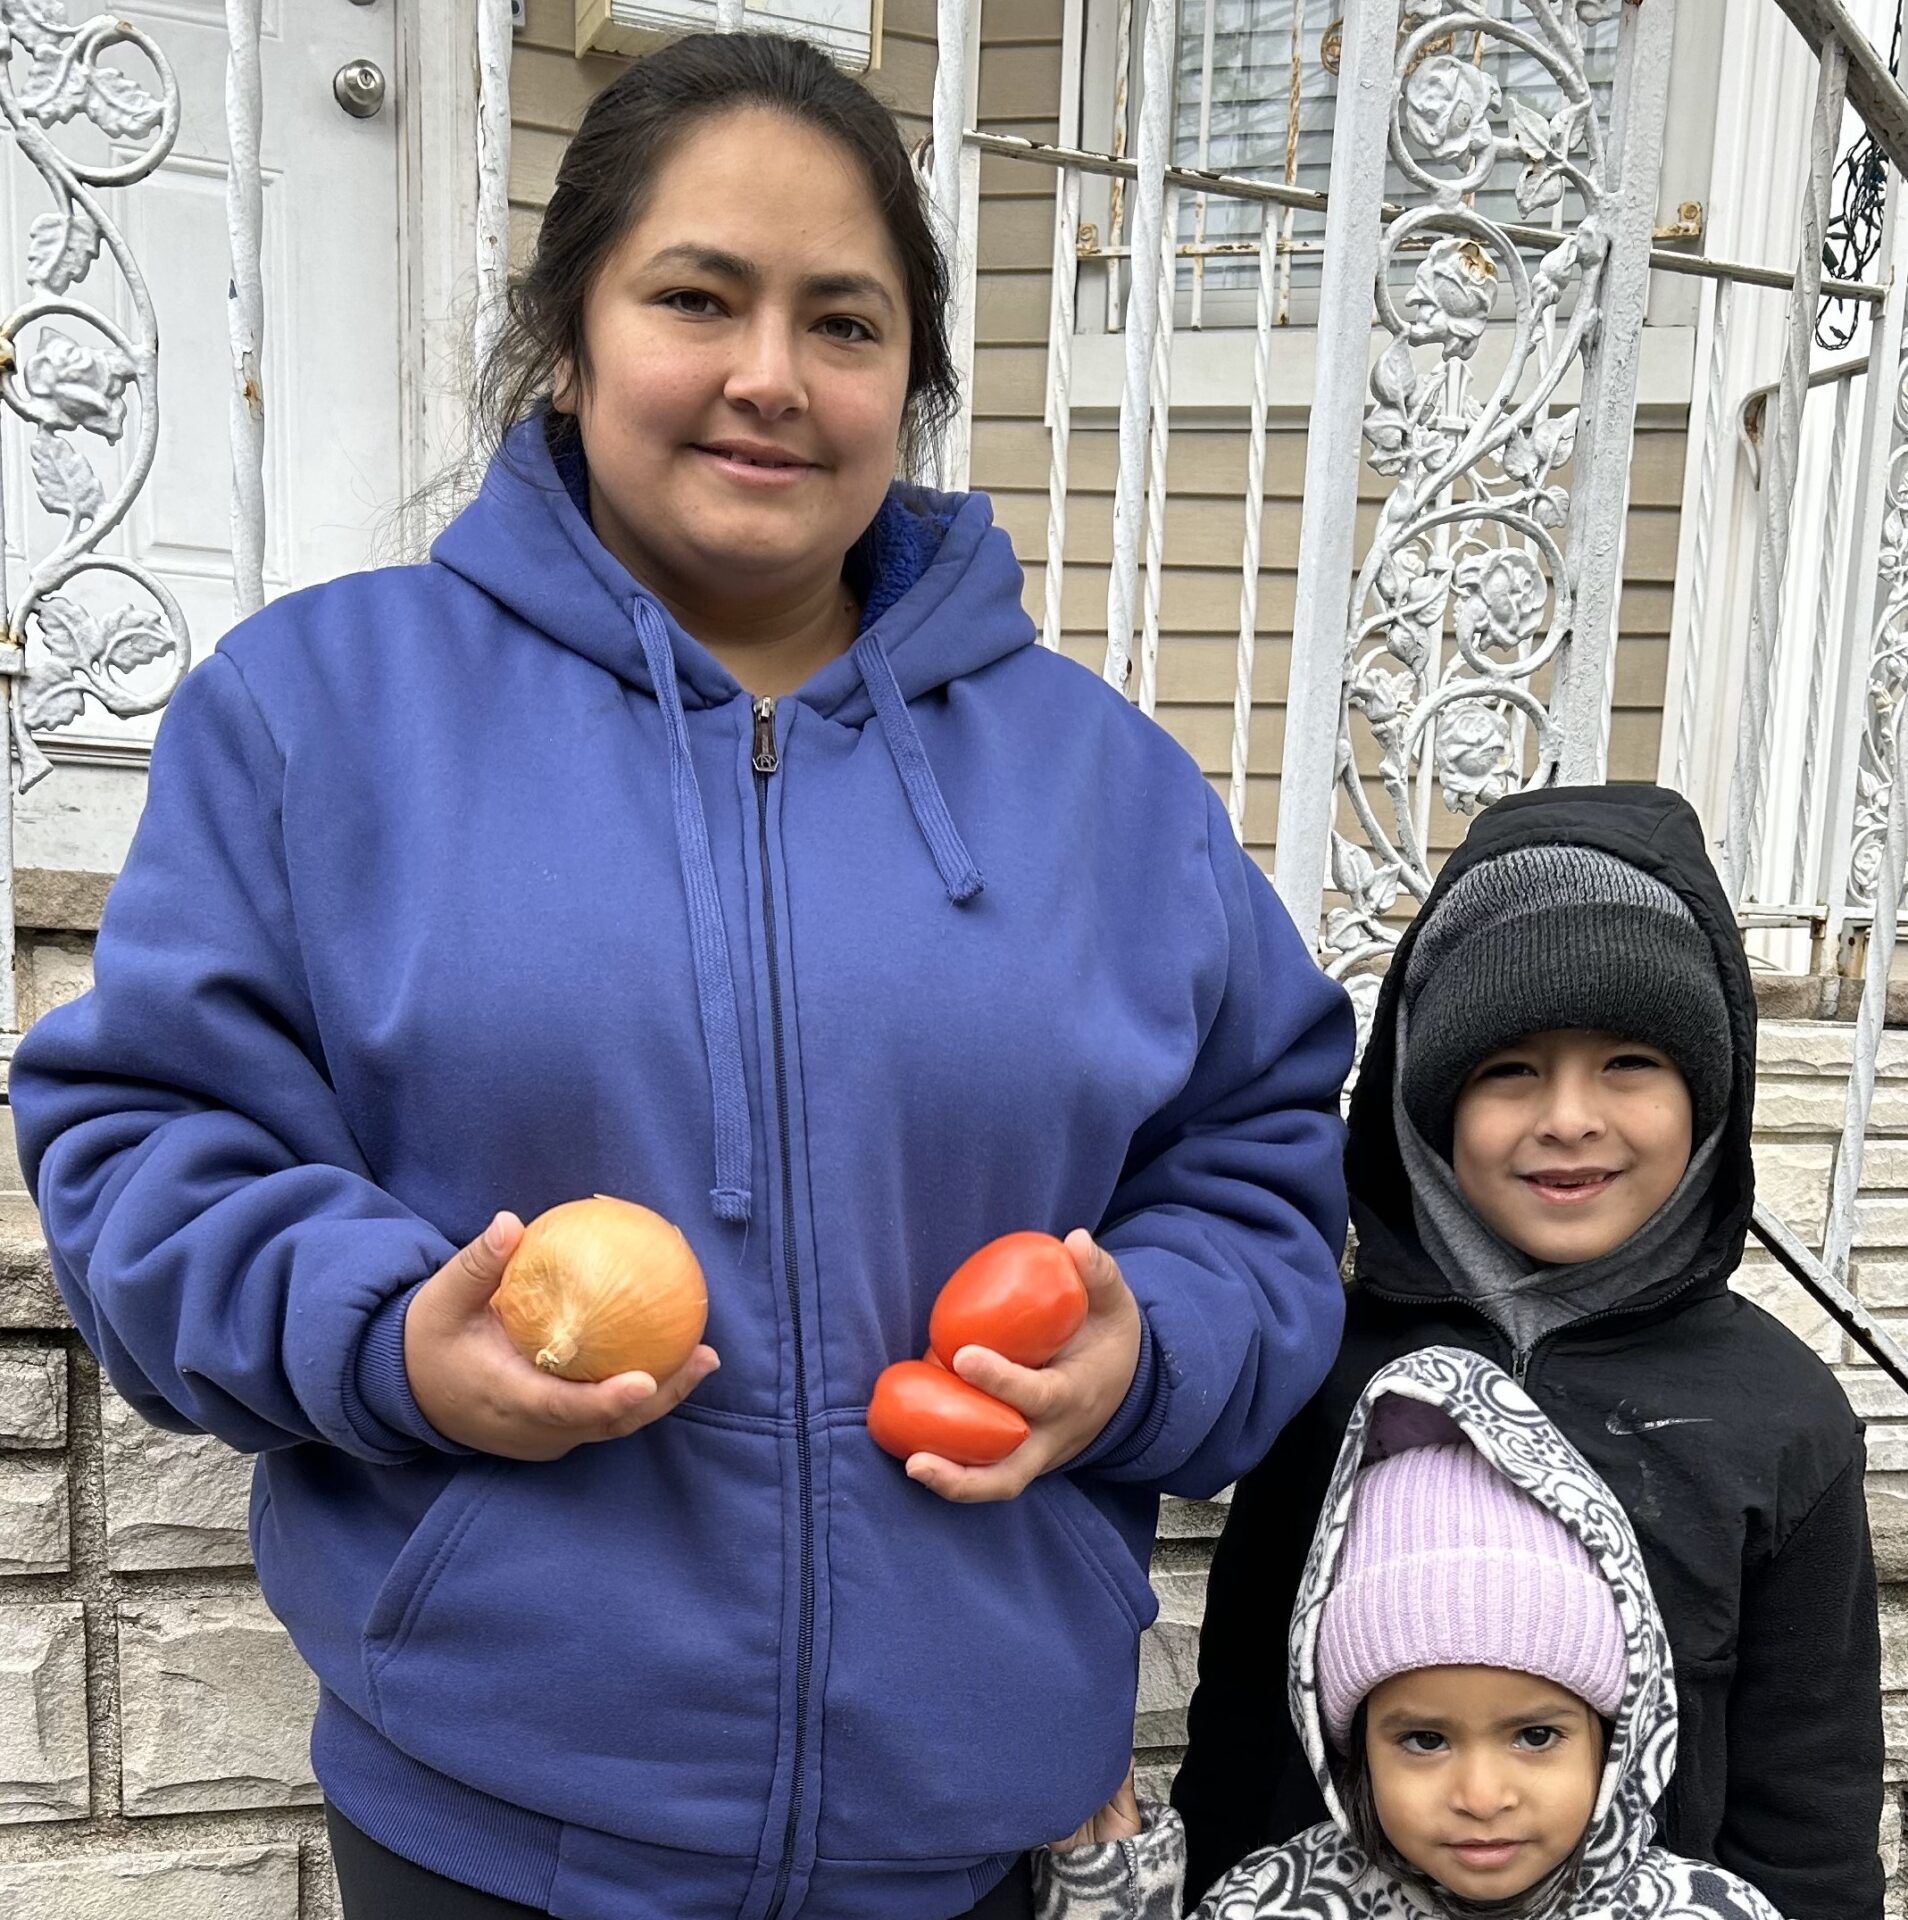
(1445, 1393)
(1436, 1395)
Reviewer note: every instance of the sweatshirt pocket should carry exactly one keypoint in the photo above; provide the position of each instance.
(422, 1558)
(982, 1669)
(596, 1638)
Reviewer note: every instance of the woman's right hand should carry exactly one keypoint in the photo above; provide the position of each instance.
(475, 1388)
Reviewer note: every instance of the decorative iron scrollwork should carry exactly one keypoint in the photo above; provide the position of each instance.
(62, 386)
(1875, 769)
(1466, 593)
(1855, 229)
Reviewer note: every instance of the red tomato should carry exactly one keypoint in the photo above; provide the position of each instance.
(934, 1360)
(1021, 1295)
(917, 1408)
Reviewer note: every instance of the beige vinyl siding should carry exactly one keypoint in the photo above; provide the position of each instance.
(549, 90)
(1019, 93)
(1200, 595)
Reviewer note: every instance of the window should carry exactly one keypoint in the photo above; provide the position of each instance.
(1255, 90)
(842, 29)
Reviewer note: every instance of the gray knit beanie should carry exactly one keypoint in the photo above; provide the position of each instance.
(1548, 937)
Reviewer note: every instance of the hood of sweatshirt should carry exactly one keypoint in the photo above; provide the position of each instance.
(1657, 832)
(526, 542)
(1445, 1393)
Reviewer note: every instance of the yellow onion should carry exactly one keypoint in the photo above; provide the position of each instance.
(603, 1286)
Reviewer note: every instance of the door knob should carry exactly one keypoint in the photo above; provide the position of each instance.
(359, 87)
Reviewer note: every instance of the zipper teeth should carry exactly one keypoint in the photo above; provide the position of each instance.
(792, 1279)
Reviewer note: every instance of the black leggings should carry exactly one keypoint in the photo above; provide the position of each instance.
(378, 1885)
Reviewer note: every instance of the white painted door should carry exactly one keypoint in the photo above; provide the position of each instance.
(331, 277)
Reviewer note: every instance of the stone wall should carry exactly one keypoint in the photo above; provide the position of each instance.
(153, 1717)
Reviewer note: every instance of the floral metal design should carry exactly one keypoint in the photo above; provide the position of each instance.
(1876, 767)
(1466, 592)
(63, 387)
(1855, 232)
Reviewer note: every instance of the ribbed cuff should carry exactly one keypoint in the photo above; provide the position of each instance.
(378, 1389)
(1136, 1424)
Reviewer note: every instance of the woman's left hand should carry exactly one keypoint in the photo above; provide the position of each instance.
(1066, 1403)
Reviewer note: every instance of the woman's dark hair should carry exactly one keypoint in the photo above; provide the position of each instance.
(1351, 1775)
(610, 166)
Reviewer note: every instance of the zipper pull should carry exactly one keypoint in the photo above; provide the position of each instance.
(765, 759)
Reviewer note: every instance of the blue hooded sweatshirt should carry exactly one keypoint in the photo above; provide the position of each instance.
(481, 884)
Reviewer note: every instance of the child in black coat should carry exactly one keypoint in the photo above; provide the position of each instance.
(1549, 1163)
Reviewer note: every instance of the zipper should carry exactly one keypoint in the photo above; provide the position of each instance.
(766, 762)
(1520, 1360)
(1604, 1313)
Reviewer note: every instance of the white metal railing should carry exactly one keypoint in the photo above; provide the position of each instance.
(60, 659)
(1267, 316)
(1872, 795)
(1371, 229)
(1695, 596)
(245, 303)
(1340, 394)
(493, 170)
(60, 387)
(1498, 552)
(1143, 338)
(1480, 534)
(1849, 868)
(1778, 487)
(1273, 66)
(1059, 396)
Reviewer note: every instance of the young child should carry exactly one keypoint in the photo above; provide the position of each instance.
(1481, 1681)
(1549, 1164)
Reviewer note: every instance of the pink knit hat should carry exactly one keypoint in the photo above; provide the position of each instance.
(1446, 1564)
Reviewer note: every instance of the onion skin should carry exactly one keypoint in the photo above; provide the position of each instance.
(600, 1287)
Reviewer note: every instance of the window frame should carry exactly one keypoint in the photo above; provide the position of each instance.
(1215, 360)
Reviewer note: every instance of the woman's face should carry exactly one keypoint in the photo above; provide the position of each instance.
(748, 344)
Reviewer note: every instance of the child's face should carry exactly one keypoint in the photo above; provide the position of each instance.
(1566, 1142)
(1483, 1779)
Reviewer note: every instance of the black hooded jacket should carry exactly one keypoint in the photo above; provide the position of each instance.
(1729, 1443)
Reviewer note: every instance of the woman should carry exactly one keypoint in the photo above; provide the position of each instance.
(700, 826)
